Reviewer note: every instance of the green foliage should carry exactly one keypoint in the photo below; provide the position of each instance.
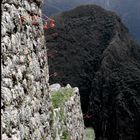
(59, 97)
(65, 135)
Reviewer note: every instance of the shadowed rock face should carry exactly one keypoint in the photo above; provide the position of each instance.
(94, 51)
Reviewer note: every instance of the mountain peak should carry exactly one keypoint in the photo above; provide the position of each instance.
(128, 10)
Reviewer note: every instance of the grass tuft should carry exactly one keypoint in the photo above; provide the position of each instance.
(59, 97)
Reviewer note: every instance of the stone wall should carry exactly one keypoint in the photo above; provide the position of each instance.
(74, 118)
(27, 111)
(25, 98)
(67, 119)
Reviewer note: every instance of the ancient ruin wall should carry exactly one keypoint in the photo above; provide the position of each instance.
(67, 120)
(25, 97)
(27, 111)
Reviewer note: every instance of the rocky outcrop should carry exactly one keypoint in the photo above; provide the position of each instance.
(95, 52)
(27, 110)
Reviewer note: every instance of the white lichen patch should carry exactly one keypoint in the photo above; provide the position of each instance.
(89, 134)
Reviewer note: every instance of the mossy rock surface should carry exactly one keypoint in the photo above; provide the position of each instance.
(59, 97)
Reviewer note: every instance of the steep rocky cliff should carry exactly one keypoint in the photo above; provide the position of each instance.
(27, 112)
(92, 49)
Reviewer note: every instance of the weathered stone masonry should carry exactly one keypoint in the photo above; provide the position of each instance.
(25, 98)
(68, 119)
(26, 107)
